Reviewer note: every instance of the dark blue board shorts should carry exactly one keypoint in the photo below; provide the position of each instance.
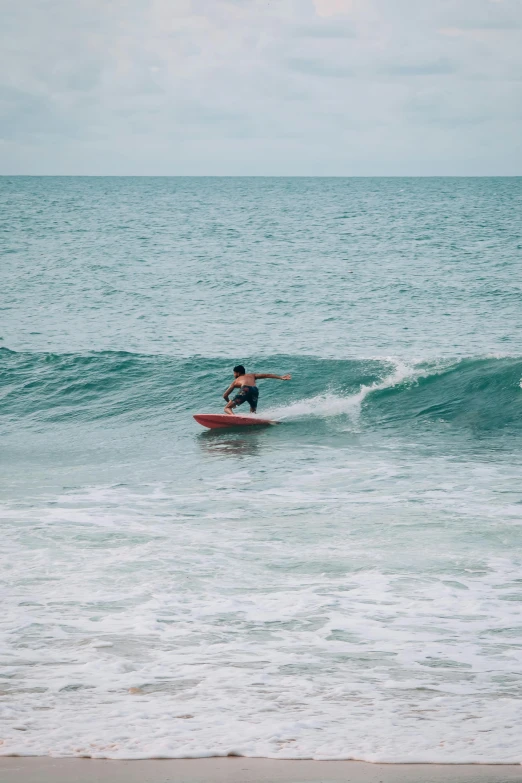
(247, 394)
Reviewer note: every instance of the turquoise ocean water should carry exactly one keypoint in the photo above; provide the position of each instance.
(345, 585)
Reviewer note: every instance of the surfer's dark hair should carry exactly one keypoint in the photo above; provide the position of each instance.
(240, 369)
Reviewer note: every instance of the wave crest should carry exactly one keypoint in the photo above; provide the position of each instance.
(479, 394)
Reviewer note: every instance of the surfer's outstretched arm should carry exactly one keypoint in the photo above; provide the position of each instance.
(271, 375)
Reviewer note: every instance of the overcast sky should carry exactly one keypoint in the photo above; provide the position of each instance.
(290, 87)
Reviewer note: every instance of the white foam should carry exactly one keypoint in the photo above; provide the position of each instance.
(362, 608)
(330, 404)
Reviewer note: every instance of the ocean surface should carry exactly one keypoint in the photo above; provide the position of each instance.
(347, 584)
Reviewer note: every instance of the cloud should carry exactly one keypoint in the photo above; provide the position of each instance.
(250, 86)
(319, 68)
(327, 30)
(335, 7)
(485, 15)
(439, 67)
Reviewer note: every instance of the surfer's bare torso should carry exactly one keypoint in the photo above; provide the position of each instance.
(245, 380)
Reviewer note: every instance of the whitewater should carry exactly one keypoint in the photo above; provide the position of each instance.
(345, 585)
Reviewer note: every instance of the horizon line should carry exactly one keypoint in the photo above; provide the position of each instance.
(273, 176)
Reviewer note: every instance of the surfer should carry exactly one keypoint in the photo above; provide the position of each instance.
(248, 391)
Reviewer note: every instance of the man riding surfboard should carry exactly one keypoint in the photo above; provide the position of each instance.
(248, 391)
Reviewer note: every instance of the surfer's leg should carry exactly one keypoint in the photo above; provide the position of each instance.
(239, 399)
(253, 397)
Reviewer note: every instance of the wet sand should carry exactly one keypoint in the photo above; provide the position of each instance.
(242, 770)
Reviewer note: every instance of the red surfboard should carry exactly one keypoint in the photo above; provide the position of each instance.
(215, 421)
